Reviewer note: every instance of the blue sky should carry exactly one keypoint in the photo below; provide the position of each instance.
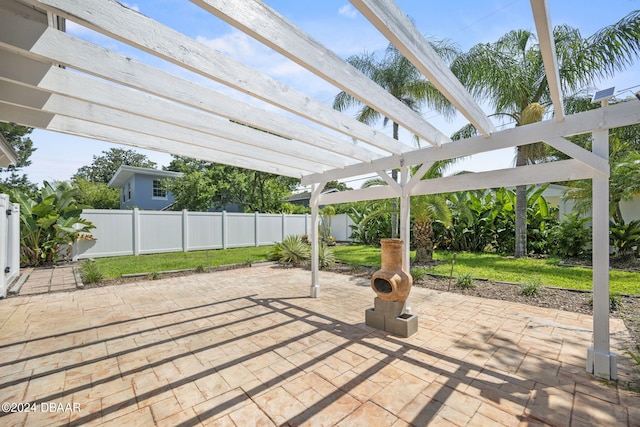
(337, 25)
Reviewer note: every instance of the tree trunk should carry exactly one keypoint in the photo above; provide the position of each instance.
(423, 239)
(521, 210)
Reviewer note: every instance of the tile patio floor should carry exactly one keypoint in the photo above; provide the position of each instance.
(248, 347)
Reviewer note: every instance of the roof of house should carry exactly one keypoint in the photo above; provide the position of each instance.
(7, 155)
(125, 172)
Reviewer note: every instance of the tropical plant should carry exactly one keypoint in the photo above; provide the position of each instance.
(290, 251)
(326, 257)
(484, 221)
(625, 238)
(372, 221)
(47, 221)
(624, 168)
(426, 210)
(509, 75)
(571, 236)
(400, 78)
(90, 272)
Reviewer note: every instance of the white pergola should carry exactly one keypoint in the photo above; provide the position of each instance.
(52, 80)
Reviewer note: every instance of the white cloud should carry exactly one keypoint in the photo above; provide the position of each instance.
(132, 6)
(348, 11)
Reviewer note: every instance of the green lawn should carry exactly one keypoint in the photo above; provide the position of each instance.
(117, 266)
(488, 266)
(496, 267)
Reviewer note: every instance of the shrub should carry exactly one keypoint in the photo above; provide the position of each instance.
(290, 250)
(465, 281)
(531, 288)
(89, 272)
(154, 276)
(417, 274)
(326, 256)
(615, 301)
(571, 236)
(48, 220)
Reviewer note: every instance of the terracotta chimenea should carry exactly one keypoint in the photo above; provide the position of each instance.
(392, 285)
(391, 282)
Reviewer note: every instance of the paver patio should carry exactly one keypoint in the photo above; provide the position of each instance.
(249, 347)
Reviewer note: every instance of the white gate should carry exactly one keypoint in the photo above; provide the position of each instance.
(9, 243)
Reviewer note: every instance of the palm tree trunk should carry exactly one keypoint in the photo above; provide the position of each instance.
(521, 210)
(395, 226)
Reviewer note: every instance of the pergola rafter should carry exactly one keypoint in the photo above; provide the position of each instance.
(107, 96)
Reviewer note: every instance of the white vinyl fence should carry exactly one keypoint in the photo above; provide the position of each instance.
(135, 232)
(9, 243)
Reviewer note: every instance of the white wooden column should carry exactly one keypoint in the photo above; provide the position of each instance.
(600, 361)
(405, 225)
(316, 189)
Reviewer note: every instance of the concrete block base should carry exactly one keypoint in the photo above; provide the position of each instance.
(390, 316)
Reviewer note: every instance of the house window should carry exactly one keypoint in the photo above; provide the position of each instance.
(159, 191)
(129, 191)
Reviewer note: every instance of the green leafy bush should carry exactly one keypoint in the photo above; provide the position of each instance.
(465, 281)
(417, 274)
(89, 272)
(531, 288)
(570, 237)
(624, 238)
(48, 220)
(291, 250)
(326, 257)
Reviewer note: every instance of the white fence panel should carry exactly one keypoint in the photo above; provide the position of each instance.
(133, 232)
(240, 230)
(270, 228)
(160, 232)
(114, 234)
(204, 231)
(296, 224)
(340, 227)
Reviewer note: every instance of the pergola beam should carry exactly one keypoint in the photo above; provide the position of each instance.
(564, 170)
(107, 133)
(56, 47)
(85, 111)
(121, 23)
(622, 114)
(65, 83)
(392, 22)
(266, 25)
(544, 29)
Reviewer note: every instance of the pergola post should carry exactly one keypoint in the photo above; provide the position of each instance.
(600, 361)
(316, 189)
(405, 224)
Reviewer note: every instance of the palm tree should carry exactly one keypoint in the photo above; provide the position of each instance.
(509, 76)
(401, 79)
(426, 209)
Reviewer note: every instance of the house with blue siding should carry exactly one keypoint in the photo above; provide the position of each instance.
(143, 188)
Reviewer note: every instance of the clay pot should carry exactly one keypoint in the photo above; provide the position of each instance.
(391, 282)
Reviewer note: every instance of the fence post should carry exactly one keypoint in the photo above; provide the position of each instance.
(136, 231)
(306, 224)
(256, 227)
(284, 228)
(224, 229)
(185, 230)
